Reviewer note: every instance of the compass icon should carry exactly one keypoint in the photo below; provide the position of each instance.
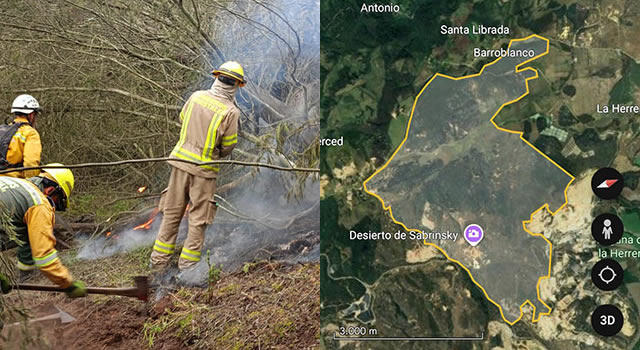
(607, 274)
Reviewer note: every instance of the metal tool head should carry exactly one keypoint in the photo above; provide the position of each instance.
(60, 315)
(142, 287)
(64, 317)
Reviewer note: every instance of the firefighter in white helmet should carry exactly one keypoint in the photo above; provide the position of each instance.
(19, 141)
(209, 132)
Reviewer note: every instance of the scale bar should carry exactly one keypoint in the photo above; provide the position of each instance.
(336, 337)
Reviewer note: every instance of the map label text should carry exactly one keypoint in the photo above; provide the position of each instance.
(617, 108)
(377, 8)
(401, 236)
(332, 142)
(477, 52)
(475, 29)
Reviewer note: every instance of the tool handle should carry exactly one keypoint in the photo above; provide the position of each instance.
(38, 287)
(140, 291)
(90, 290)
(113, 291)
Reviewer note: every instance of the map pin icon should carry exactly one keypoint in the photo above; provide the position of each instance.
(473, 234)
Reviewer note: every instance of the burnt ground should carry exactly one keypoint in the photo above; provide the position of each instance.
(263, 305)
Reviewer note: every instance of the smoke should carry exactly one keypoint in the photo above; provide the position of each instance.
(278, 44)
(277, 228)
(279, 47)
(256, 221)
(274, 221)
(120, 241)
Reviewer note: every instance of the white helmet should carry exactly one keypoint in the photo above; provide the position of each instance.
(25, 104)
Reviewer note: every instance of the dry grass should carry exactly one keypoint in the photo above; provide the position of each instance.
(264, 306)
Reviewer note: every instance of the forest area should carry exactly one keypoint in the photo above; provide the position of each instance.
(112, 77)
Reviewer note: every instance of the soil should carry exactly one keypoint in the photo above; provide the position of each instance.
(264, 306)
(107, 324)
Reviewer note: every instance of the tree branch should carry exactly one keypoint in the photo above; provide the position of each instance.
(112, 90)
(163, 159)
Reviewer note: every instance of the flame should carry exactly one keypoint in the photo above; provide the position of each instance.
(111, 235)
(142, 189)
(152, 217)
(147, 225)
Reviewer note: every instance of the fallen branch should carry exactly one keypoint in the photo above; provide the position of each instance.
(112, 90)
(146, 196)
(76, 226)
(162, 159)
(62, 243)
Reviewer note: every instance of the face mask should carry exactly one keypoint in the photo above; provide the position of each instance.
(61, 203)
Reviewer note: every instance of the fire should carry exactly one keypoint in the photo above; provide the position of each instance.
(152, 217)
(147, 225)
(111, 235)
(142, 189)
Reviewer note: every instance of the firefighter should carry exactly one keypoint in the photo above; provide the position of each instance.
(209, 132)
(20, 142)
(27, 211)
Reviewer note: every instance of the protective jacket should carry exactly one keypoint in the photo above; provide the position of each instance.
(209, 129)
(24, 148)
(31, 215)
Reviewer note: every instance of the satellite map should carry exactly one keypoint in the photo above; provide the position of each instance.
(480, 165)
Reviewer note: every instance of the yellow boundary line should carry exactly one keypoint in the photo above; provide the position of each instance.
(525, 222)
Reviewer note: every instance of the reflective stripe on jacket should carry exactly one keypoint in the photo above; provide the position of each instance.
(25, 148)
(209, 132)
(32, 217)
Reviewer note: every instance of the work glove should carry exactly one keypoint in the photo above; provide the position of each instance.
(5, 285)
(77, 289)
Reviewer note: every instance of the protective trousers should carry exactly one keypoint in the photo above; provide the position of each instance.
(184, 188)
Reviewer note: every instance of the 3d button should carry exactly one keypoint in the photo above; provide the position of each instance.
(607, 274)
(607, 320)
(607, 183)
(607, 229)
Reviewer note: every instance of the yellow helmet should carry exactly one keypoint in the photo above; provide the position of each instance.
(62, 176)
(231, 69)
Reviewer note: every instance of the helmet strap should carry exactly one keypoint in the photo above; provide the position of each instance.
(31, 117)
(61, 203)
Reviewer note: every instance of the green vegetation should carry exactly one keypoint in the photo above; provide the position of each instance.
(101, 206)
(371, 67)
(631, 221)
(398, 130)
(214, 272)
(247, 267)
(623, 91)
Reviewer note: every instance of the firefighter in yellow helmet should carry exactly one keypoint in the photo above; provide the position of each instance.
(30, 205)
(209, 132)
(19, 141)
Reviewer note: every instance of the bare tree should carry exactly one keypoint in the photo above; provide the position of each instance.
(112, 76)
